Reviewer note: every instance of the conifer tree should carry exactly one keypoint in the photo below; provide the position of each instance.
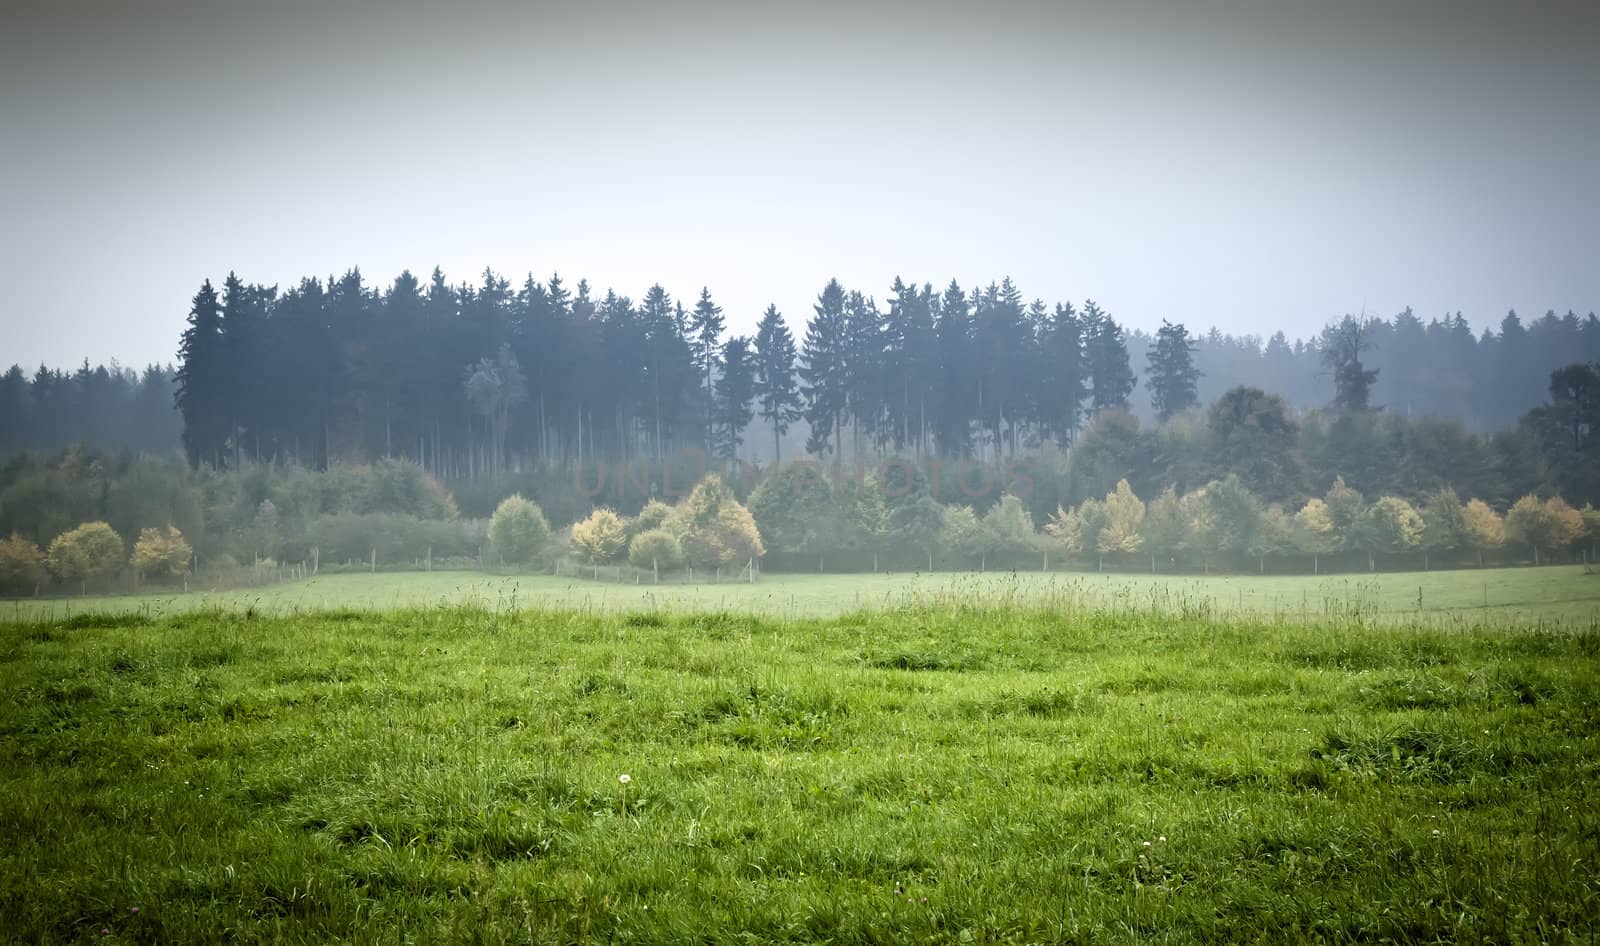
(822, 368)
(776, 389)
(202, 381)
(1172, 377)
(736, 389)
(1106, 352)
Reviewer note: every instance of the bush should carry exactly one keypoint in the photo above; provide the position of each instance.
(601, 538)
(655, 548)
(161, 553)
(21, 564)
(404, 488)
(519, 531)
(92, 550)
(395, 539)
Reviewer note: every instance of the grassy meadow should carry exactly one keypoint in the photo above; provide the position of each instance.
(933, 772)
(1551, 594)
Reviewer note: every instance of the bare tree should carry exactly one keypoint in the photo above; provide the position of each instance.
(493, 386)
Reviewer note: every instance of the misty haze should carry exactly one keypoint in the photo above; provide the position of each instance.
(710, 472)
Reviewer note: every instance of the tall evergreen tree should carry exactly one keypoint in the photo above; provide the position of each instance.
(776, 388)
(1064, 383)
(822, 368)
(202, 382)
(244, 311)
(953, 429)
(1106, 352)
(736, 389)
(1172, 377)
(863, 369)
(705, 334)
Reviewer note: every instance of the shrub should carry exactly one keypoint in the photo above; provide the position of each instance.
(90, 551)
(161, 553)
(21, 564)
(601, 538)
(403, 487)
(518, 530)
(655, 548)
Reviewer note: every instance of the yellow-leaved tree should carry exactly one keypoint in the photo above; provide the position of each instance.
(601, 538)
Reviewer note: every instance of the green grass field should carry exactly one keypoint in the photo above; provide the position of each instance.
(1561, 594)
(946, 774)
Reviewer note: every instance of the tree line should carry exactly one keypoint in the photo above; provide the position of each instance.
(468, 379)
(112, 407)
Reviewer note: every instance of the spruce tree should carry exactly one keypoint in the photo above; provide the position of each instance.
(776, 390)
(201, 394)
(1063, 378)
(735, 390)
(1172, 377)
(704, 335)
(822, 368)
(1105, 350)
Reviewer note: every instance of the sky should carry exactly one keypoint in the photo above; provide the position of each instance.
(1250, 165)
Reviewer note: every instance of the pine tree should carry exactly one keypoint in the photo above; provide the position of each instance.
(1106, 352)
(911, 363)
(201, 394)
(244, 310)
(776, 388)
(822, 368)
(1172, 377)
(863, 371)
(1063, 382)
(735, 390)
(704, 335)
(953, 428)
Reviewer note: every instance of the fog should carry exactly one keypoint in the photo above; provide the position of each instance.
(1250, 166)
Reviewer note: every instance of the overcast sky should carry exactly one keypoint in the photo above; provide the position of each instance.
(1250, 165)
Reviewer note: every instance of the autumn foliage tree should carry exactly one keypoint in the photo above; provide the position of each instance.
(22, 564)
(601, 538)
(91, 551)
(161, 553)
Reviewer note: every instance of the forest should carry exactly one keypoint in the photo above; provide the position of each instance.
(338, 370)
(946, 429)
